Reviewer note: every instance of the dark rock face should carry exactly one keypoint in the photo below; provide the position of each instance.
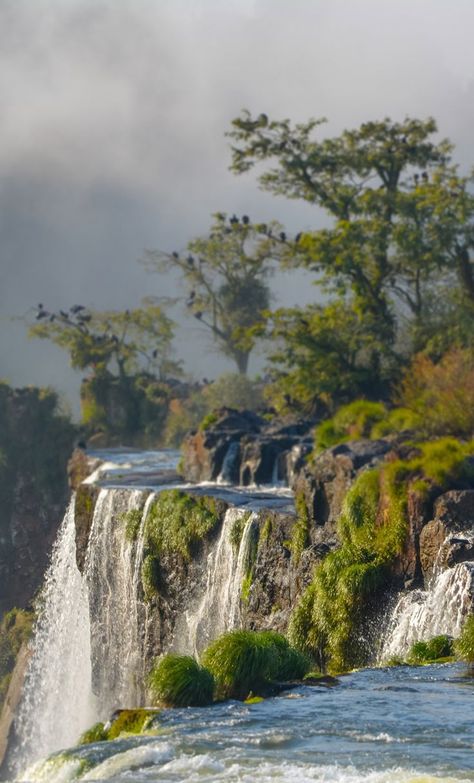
(323, 484)
(240, 447)
(442, 540)
(35, 443)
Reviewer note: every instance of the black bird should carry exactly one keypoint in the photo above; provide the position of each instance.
(245, 220)
(40, 306)
(190, 261)
(52, 318)
(155, 353)
(424, 176)
(416, 178)
(175, 254)
(298, 237)
(77, 309)
(282, 236)
(198, 315)
(64, 315)
(233, 220)
(42, 314)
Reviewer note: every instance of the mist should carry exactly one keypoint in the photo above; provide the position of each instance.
(114, 115)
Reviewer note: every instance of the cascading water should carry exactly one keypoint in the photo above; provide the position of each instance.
(88, 647)
(219, 608)
(58, 703)
(422, 614)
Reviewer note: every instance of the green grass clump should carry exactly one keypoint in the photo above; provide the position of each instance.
(237, 529)
(291, 664)
(350, 422)
(431, 650)
(396, 420)
(179, 681)
(464, 645)
(445, 460)
(177, 521)
(241, 661)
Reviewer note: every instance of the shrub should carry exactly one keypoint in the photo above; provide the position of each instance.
(351, 422)
(431, 650)
(441, 394)
(464, 646)
(291, 664)
(241, 661)
(179, 681)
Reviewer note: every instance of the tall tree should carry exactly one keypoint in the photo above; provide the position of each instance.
(226, 278)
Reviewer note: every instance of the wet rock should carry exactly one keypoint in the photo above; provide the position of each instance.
(80, 466)
(86, 497)
(240, 447)
(449, 537)
(323, 484)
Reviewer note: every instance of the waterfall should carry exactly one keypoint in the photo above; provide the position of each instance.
(58, 703)
(422, 614)
(226, 475)
(218, 610)
(117, 617)
(88, 647)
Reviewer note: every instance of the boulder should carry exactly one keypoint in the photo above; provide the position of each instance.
(449, 537)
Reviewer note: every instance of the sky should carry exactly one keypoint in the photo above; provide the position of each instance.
(112, 139)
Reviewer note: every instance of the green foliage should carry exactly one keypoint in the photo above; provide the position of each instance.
(15, 629)
(177, 522)
(234, 390)
(445, 460)
(431, 650)
(441, 395)
(396, 420)
(351, 422)
(179, 681)
(300, 531)
(133, 520)
(244, 662)
(464, 645)
(225, 275)
(241, 661)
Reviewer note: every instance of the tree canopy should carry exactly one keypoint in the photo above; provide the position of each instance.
(226, 278)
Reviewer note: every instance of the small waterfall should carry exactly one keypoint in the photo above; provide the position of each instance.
(422, 614)
(219, 608)
(58, 703)
(117, 617)
(226, 476)
(88, 645)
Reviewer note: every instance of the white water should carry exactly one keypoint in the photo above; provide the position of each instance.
(422, 614)
(219, 608)
(58, 702)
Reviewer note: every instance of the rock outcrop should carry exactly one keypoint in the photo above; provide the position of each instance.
(449, 537)
(239, 447)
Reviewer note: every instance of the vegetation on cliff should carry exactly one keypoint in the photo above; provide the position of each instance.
(15, 630)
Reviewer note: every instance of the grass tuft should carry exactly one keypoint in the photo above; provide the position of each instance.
(464, 645)
(179, 681)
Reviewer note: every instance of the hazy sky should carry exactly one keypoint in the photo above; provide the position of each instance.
(113, 122)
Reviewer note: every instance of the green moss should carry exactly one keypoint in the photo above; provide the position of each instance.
(464, 646)
(96, 733)
(237, 529)
(133, 521)
(150, 573)
(179, 681)
(178, 521)
(246, 585)
(131, 722)
(436, 648)
(208, 421)
(15, 629)
(265, 531)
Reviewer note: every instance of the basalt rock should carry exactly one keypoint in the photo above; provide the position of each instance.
(449, 537)
(240, 447)
(323, 484)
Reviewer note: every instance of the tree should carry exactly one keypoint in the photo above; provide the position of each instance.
(226, 275)
(401, 223)
(111, 341)
(128, 354)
